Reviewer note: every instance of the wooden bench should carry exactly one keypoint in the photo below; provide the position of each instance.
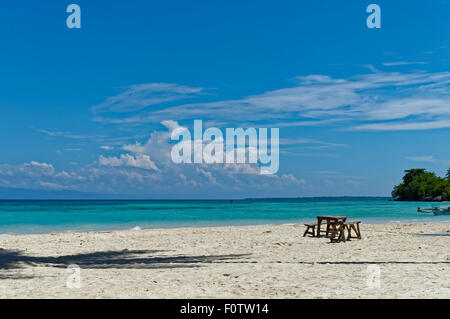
(310, 229)
(329, 220)
(353, 225)
(337, 232)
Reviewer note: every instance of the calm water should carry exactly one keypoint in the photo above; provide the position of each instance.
(51, 216)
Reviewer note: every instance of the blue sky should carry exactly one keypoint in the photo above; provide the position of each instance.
(82, 110)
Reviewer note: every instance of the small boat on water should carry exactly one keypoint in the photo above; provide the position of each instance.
(435, 210)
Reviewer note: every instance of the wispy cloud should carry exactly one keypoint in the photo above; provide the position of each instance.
(312, 142)
(325, 172)
(397, 63)
(72, 149)
(140, 96)
(403, 126)
(337, 175)
(65, 134)
(417, 100)
(428, 159)
(83, 139)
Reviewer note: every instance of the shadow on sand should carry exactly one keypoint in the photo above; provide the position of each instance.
(376, 262)
(125, 259)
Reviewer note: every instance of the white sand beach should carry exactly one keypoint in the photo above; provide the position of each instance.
(229, 262)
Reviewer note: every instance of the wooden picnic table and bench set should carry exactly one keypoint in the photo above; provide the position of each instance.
(336, 226)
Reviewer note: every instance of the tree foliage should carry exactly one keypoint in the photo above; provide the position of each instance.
(420, 185)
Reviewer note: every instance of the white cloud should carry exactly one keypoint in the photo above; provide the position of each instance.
(171, 125)
(292, 179)
(41, 165)
(106, 147)
(35, 175)
(148, 169)
(138, 161)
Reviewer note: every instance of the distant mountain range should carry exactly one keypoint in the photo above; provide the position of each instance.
(36, 194)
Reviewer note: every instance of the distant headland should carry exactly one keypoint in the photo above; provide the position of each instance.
(420, 185)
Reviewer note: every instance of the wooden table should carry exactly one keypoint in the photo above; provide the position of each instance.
(329, 220)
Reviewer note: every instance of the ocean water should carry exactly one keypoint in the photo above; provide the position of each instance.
(18, 217)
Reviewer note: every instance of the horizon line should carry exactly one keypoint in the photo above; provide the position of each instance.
(194, 199)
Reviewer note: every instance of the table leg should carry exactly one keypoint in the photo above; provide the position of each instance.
(328, 228)
(319, 222)
(359, 231)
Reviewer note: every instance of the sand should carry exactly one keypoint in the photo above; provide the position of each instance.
(273, 261)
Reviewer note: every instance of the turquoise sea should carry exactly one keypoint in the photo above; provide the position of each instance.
(53, 216)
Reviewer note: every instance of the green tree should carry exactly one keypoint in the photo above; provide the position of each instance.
(448, 174)
(420, 185)
(411, 173)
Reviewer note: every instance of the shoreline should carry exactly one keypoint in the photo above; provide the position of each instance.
(158, 227)
(264, 261)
